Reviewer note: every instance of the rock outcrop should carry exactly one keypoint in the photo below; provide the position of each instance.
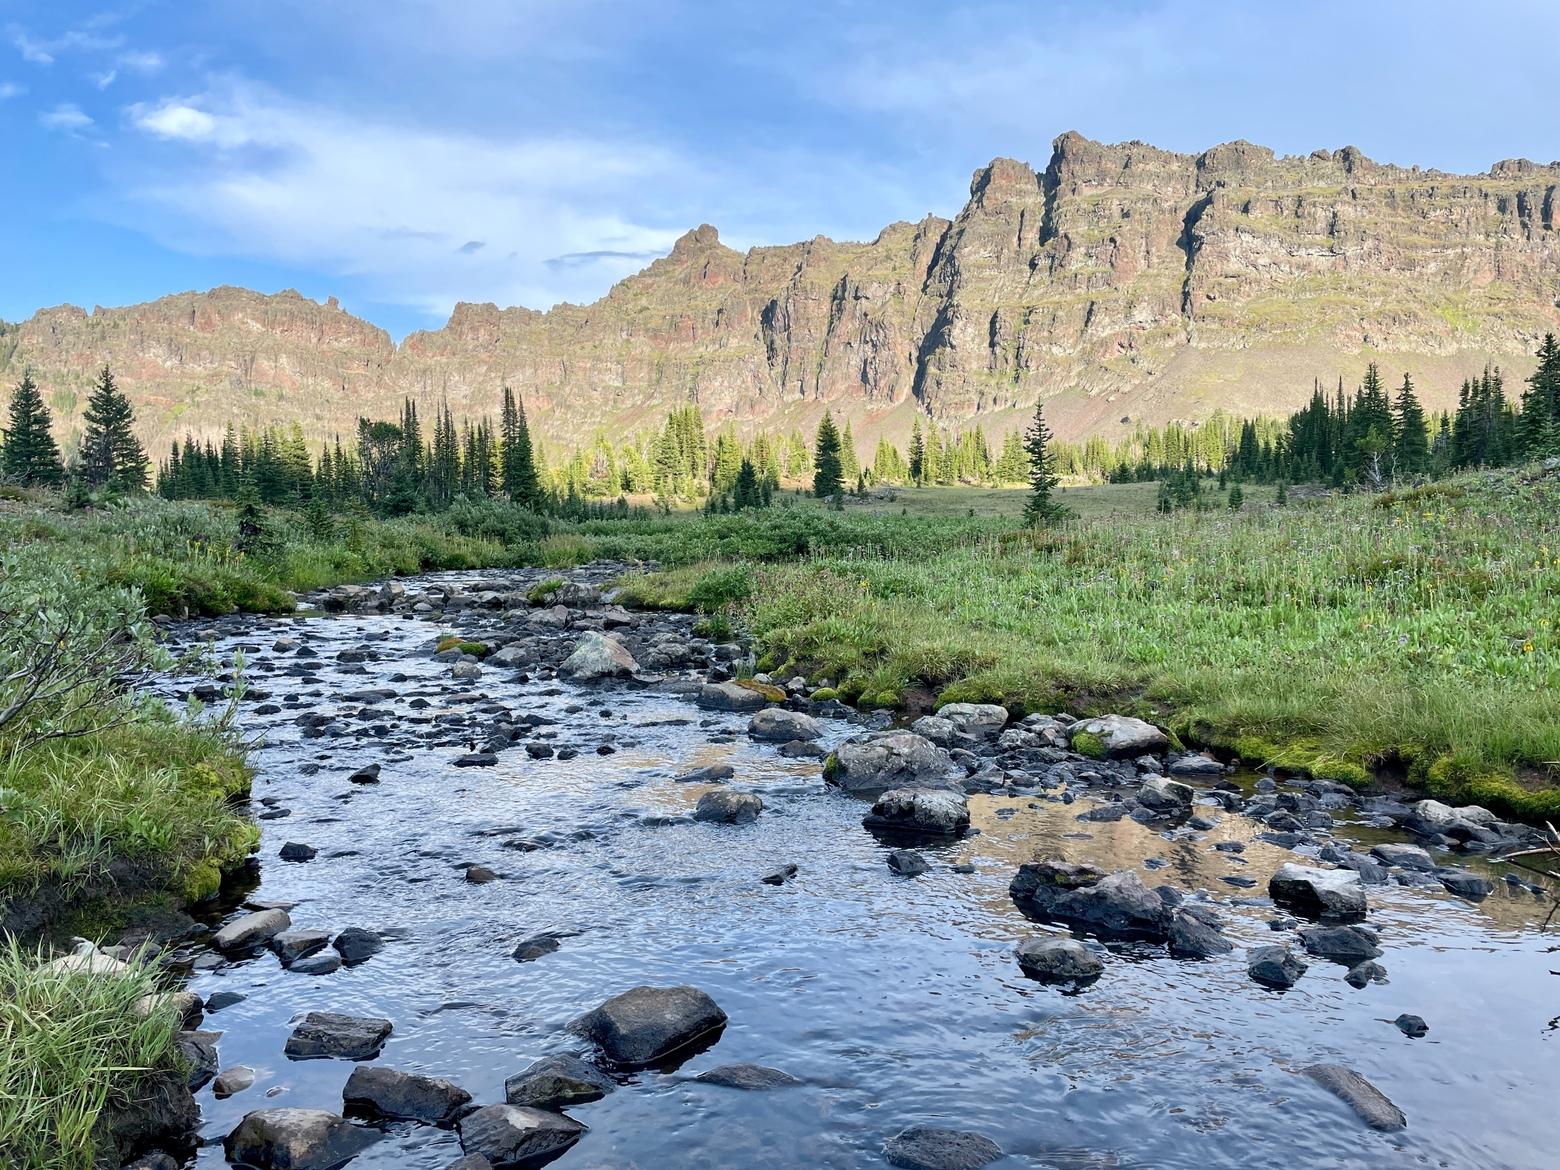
(1122, 281)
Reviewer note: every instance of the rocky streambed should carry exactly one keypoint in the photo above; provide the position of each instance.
(540, 879)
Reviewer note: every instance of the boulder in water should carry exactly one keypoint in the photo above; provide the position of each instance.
(557, 1082)
(646, 1024)
(928, 812)
(598, 656)
(1369, 1103)
(880, 761)
(387, 1092)
(516, 1135)
(1058, 960)
(295, 1139)
(925, 1147)
(1319, 893)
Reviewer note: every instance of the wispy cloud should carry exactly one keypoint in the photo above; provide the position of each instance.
(10, 89)
(67, 118)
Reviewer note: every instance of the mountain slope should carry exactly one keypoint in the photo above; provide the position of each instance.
(1122, 282)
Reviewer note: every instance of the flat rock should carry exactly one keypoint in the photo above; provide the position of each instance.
(516, 1135)
(643, 1025)
(753, 1077)
(328, 1034)
(292, 945)
(251, 930)
(1345, 944)
(925, 1147)
(1406, 856)
(558, 1082)
(880, 761)
(730, 696)
(295, 1139)
(979, 719)
(1122, 736)
(1114, 905)
(1368, 1102)
(777, 725)
(388, 1092)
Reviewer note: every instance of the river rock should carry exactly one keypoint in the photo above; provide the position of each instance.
(1192, 937)
(643, 1025)
(777, 725)
(598, 656)
(907, 863)
(921, 812)
(1323, 893)
(295, 1139)
(925, 1147)
(1411, 1026)
(515, 1135)
(199, 1050)
(356, 945)
(1196, 766)
(1165, 797)
(251, 931)
(297, 851)
(1117, 905)
(974, 718)
(480, 875)
(1344, 944)
(723, 806)
(880, 761)
(779, 875)
(1058, 960)
(752, 1077)
(1121, 736)
(940, 731)
(231, 1081)
(1465, 884)
(1369, 1102)
(1274, 966)
(292, 945)
(536, 947)
(1406, 856)
(557, 1082)
(1365, 973)
(730, 696)
(329, 1034)
(388, 1092)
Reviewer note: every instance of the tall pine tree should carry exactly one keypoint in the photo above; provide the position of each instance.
(1040, 507)
(1411, 438)
(29, 456)
(111, 456)
(517, 460)
(827, 479)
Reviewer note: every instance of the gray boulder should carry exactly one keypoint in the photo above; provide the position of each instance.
(515, 1135)
(251, 931)
(940, 731)
(1334, 894)
(233, 1080)
(1058, 960)
(1406, 856)
(936, 812)
(598, 656)
(1344, 944)
(1465, 884)
(295, 1139)
(328, 1034)
(1369, 1103)
(777, 725)
(907, 863)
(879, 761)
(1114, 905)
(1195, 765)
(356, 945)
(292, 945)
(730, 696)
(557, 1082)
(388, 1092)
(974, 718)
(1122, 736)
(646, 1024)
(1274, 966)
(1166, 798)
(726, 807)
(925, 1147)
(1193, 937)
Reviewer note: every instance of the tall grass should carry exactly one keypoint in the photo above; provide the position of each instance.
(72, 1045)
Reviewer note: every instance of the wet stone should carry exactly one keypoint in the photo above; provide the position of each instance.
(925, 1147)
(643, 1025)
(386, 1092)
(295, 1139)
(1369, 1103)
(516, 1135)
(329, 1034)
(752, 1077)
(558, 1082)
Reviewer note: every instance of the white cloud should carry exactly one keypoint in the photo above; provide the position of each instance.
(35, 51)
(141, 61)
(104, 80)
(9, 89)
(253, 174)
(67, 117)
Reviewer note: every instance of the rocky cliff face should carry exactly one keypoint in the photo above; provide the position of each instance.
(1123, 282)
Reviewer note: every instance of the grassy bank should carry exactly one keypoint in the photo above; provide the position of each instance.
(1409, 632)
(73, 1047)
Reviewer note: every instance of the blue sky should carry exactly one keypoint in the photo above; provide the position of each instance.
(407, 154)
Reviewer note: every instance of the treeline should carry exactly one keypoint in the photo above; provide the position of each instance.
(1370, 437)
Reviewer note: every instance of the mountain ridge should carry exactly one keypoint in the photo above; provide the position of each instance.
(1121, 282)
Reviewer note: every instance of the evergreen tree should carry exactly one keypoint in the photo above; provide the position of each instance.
(29, 455)
(1539, 433)
(1237, 499)
(1040, 508)
(745, 492)
(917, 460)
(111, 456)
(827, 473)
(1411, 438)
(518, 477)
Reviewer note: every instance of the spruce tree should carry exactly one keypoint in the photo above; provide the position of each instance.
(745, 491)
(827, 478)
(29, 456)
(917, 467)
(1040, 508)
(1411, 439)
(1539, 426)
(111, 456)
(518, 477)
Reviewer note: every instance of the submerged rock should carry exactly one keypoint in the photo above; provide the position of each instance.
(925, 1147)
(723, 806)
(643, 1025)
(329, 1034)
(907, 863)
(1411, 1026)
(295, 1139)
(1368, 1102)
(752, 1077)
